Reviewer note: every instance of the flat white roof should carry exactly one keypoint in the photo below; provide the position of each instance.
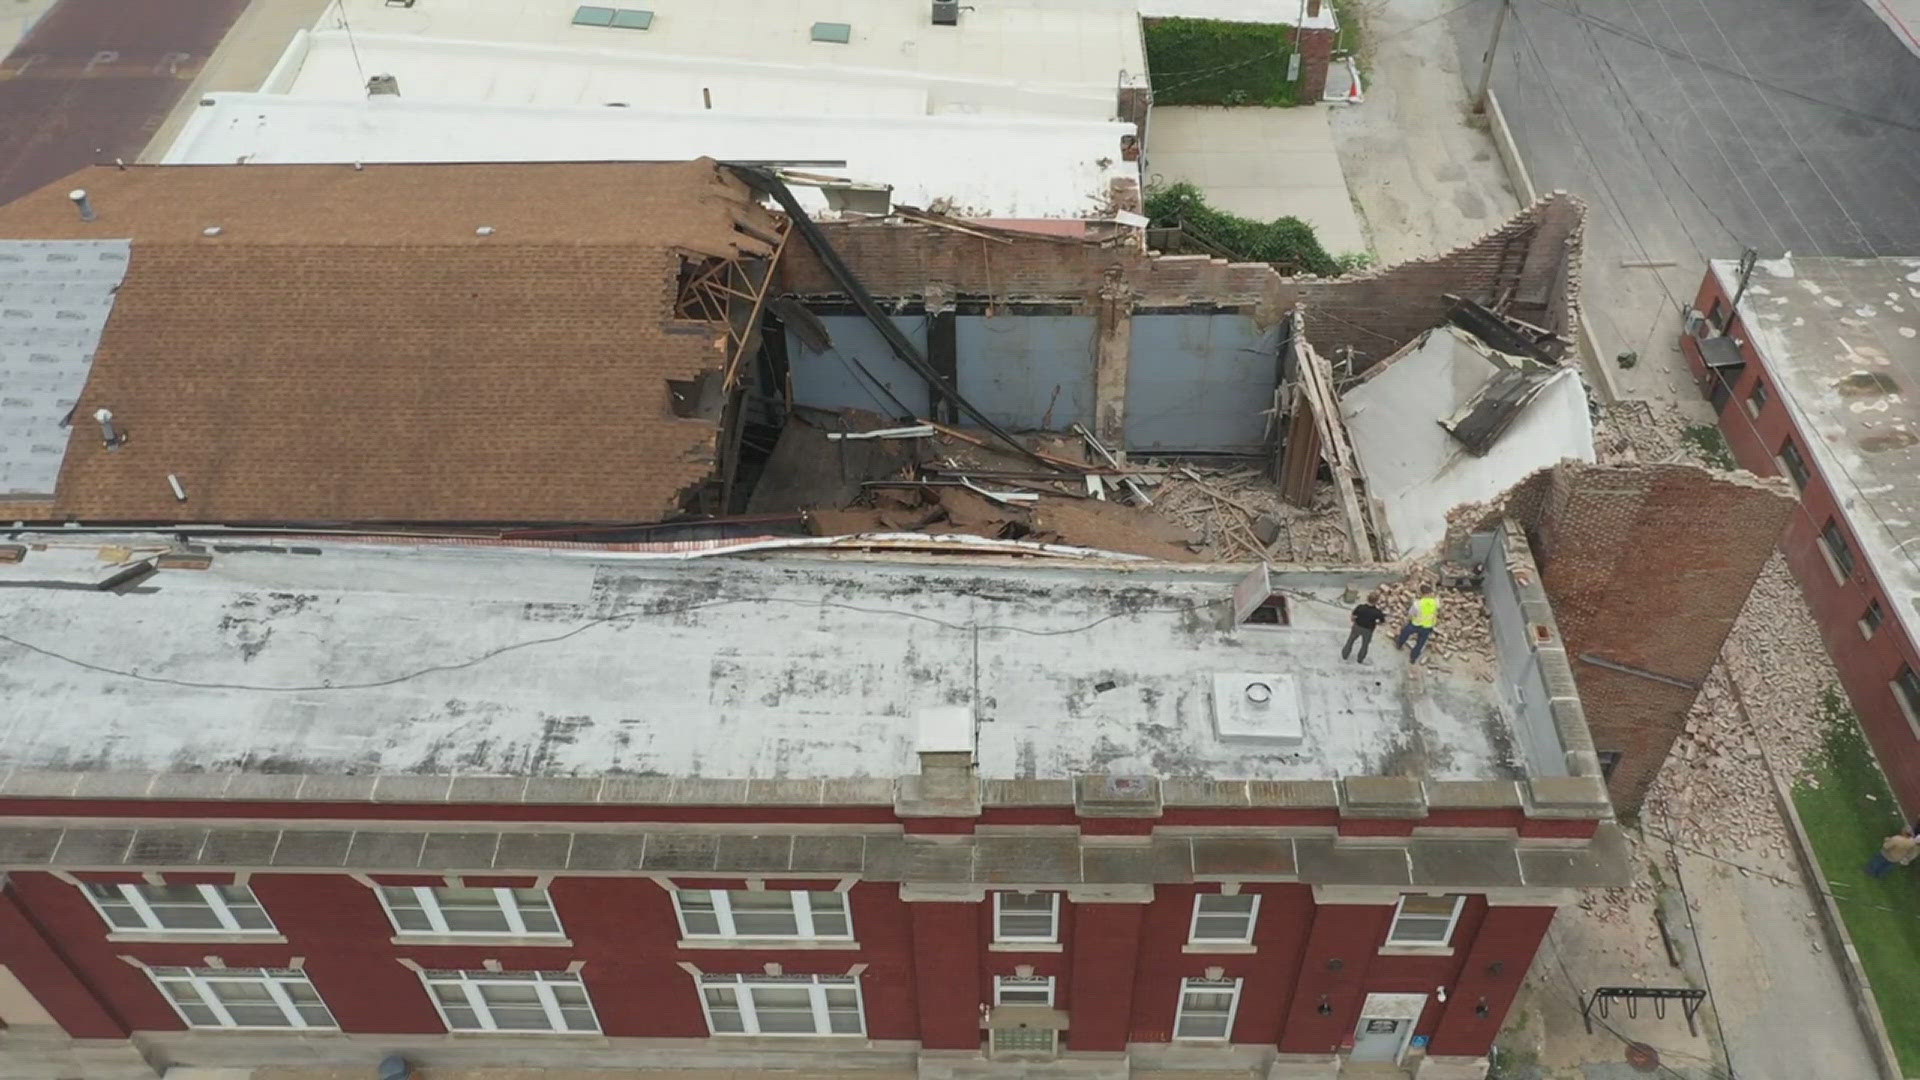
(1088, 44)
(329, 64)
(971, 166)
(1842, 340)
(361, 658)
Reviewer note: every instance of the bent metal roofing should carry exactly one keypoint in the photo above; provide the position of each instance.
(394, 343)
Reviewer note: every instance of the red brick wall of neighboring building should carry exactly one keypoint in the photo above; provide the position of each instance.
(1867, 666)
(928, 964)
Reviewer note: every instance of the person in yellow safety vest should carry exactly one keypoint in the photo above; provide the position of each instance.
(1422, 616)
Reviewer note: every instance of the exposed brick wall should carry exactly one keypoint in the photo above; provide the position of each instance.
(1535, 254)
(1647, 567)
(1316, 52)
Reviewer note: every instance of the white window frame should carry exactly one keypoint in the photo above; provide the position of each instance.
(202, 980)
(802, 902)
(1453, 921)
(430, 906)
(209, 894)
(470, 982)
(816, 987)
(1053, 920)
(1193, 924)
(1208, 986)
(1023, 983)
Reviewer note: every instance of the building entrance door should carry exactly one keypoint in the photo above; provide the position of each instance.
(1386, 1027)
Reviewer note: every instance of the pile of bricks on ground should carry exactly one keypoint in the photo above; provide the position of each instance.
(1646, 432)
(1465, 630)
(1715, 793)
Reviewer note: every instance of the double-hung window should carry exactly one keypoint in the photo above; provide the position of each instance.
(182, 909)
(1023, 990)
(1220, 919)
(782, 1004)
(1033, 916)
(424, 910)
(243, 997)
(1425, 920)
(512, 1001)
(1206, 1009)
(770, 913)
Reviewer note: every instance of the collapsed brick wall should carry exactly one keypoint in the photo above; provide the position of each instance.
(1647, 567)
(1533, 259)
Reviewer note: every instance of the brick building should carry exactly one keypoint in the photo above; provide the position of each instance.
(1814, 372)
(317, 800)
(1647, 568)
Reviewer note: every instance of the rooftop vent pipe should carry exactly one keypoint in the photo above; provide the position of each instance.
(79, 197)
(109, 434)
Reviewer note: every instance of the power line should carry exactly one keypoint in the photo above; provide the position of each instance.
(1622, 32)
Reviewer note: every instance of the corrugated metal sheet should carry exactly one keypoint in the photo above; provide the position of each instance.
(834, 379)
(1028, 371)
(55, 296)
(1200, 382)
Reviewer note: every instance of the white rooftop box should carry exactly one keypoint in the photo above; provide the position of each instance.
(1256, 708)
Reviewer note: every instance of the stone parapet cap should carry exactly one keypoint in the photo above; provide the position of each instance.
(446, 788)
(1580, 797)
(1382, 797)
(1117, 797)
(1040, 861)
(1473, 794)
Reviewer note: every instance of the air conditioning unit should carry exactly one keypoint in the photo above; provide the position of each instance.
(1690, 324)
(946, 12)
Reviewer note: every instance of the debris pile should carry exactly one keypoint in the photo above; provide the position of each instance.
(1465, 630)
(1240, 516)
(851, 472)
(1716, 789)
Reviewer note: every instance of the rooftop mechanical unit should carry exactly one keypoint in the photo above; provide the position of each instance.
(1257, 709)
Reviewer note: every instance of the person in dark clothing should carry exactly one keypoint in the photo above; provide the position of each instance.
(1365, 618)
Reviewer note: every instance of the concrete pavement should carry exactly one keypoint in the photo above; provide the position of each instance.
(1261, 164)
(1695, 128)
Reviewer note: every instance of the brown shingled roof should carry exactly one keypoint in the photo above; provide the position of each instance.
(349, 349)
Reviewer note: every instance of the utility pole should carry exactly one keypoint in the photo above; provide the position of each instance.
(1493, 49)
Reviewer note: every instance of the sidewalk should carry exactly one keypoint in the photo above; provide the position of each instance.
(1902, 17)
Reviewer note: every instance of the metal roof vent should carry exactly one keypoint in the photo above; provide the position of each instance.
(835, 33)
(946, 12)
(1251, 707)
(383, 84)
(80, 200)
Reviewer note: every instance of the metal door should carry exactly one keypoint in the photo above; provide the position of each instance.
(1380, 1038)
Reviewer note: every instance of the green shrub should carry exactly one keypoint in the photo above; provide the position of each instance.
(1287, 241)
(1207, 62)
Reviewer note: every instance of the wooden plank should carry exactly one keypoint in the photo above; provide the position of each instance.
(1317, 382)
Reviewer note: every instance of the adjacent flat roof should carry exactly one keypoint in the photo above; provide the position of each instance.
(399, 343)
(971, 165)
(359, 658)
(1842, 339)
(1092, 44)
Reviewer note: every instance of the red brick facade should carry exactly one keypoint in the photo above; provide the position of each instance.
(925, 960)
(1867, 665)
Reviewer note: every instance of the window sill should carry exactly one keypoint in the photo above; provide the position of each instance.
(196, 937)
(582, 1035)
(1416, 950)
(551, 941)
(1026, 946)
(1220, 948)
(838, 1040)
(276, 1032)
(770, 944)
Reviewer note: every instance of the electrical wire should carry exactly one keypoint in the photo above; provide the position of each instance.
(591, 624)
(1579, 1000)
